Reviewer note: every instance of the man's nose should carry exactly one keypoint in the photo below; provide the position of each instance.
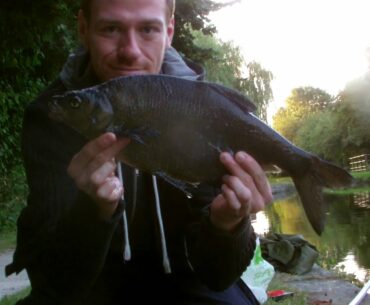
(129, 46)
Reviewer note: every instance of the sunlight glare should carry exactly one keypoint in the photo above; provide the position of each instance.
(303, 43)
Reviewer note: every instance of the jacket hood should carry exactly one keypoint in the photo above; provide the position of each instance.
(77, 72)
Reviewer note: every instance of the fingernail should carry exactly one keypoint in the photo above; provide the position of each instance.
(240, 156)
(225, 157)
(108, 139)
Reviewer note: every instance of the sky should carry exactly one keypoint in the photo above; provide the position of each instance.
(318, 43)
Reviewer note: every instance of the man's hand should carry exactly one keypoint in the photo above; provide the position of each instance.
(93, 170)
(245, 191)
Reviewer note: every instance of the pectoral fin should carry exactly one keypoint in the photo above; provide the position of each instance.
(137, 135)
(187, 188)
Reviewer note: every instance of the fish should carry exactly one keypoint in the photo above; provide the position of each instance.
(179, 127)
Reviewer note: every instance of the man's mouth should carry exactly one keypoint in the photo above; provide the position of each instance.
(128, 71)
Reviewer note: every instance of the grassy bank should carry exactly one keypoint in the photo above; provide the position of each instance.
(298, 298)
(7, 240)
(12, 299)
(362, 175)
(362, 184)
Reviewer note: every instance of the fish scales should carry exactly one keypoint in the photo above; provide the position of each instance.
(179, 127)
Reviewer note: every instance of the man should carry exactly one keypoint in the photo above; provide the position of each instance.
(71, 234)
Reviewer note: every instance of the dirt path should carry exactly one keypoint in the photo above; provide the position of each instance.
(13, 283)
(323, 287)
(319, 284)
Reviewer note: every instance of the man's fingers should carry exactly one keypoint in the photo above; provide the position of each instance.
(243, 193)
(230, 197)
(94, 154)
(110, 152)
(90, 150)
(110, 191)
(236, 169)
(105, 171)
(250, 165)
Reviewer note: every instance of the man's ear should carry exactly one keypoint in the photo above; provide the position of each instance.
(170, 31)
(82, 28)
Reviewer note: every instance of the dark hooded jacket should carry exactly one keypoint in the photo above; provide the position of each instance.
(73, 257)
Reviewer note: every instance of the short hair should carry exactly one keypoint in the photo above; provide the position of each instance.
(86, 8)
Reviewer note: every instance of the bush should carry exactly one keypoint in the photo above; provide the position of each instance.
(13, 192)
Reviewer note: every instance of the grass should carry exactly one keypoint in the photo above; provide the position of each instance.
(362, 187)
(298, 298)
(349, 191)
(360, 176)
(7, 240)
(12, 299)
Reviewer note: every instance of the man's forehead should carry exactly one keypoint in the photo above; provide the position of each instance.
(126, 10)
(130, 4)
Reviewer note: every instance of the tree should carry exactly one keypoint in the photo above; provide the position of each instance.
(225, 62)
(321, 134)
(190, 16)
(257, 87)
(352, 109)
(301, 102)
(33, 47)
(227, 65)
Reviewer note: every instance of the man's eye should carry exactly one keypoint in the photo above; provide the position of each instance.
(110, 29)
(149, 30)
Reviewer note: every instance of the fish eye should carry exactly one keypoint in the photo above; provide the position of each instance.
(75, 102)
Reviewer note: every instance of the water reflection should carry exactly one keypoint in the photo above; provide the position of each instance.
(345, 242)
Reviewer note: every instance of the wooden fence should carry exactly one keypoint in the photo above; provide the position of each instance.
(360, 163)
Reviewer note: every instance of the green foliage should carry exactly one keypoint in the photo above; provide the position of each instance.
(12, 197)
(33, 45)
(225, 61)
(258, 87)
(334, 129)
(319, 133)
(225, 65)
(352, 110)
(12, 104)
(190, 16)
(302, 102)
(8, 240)
(36, 37)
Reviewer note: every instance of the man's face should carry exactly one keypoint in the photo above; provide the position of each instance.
(126, 37)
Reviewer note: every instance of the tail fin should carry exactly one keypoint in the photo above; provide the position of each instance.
(310, 185)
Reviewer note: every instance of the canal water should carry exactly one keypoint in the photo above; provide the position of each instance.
(345, 242)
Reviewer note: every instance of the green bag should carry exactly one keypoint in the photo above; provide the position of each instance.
(289, 253)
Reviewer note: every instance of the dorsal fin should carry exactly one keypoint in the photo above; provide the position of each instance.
(240, 100)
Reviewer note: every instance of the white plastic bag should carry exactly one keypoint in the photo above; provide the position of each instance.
(258, 274)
